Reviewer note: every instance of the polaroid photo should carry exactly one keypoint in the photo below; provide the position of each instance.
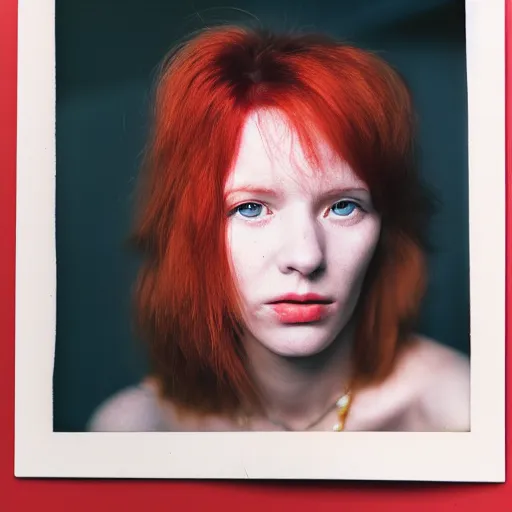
(261, 242)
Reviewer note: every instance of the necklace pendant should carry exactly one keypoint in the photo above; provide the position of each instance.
(343, 402)
(342, 406)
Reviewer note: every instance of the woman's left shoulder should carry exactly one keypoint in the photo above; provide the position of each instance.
(443, 399)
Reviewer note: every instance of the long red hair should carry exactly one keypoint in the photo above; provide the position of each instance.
(186, 301)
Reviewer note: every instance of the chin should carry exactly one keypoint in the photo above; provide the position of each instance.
(297, 341)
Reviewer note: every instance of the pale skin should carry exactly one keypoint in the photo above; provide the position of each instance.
(292, 229)
(427, 392)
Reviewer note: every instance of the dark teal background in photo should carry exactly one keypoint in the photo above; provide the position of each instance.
(107, 54)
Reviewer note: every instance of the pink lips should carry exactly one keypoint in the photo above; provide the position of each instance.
(298, 309)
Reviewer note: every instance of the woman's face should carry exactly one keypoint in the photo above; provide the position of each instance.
(299, 239)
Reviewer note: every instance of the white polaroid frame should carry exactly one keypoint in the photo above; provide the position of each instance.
(478, 455)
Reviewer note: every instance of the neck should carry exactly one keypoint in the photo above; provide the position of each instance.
(297, 391)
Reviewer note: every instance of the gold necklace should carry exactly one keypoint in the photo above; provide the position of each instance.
(342, 406)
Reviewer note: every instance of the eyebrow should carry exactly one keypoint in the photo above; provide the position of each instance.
(254, 190)
(345, 190)
(335, 191)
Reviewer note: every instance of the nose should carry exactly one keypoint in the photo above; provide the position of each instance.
(302, 247)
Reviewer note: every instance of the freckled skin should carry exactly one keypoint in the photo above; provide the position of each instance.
(291, 239)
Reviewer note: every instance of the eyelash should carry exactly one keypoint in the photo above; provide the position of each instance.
(236, 209)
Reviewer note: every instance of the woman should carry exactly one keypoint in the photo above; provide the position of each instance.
(283, 229)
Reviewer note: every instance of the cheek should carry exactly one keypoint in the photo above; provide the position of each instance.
(354, 249)
(246, 256)
(367, 243)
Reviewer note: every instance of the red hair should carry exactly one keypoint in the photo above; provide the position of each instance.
(186, 300)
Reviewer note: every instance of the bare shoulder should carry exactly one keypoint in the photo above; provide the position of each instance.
(133, 409)
(443, 385)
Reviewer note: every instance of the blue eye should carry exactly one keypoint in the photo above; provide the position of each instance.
(344, 208)
(249, 209)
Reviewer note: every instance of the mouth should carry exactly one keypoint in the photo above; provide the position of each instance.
(301, 309)
(309, 298)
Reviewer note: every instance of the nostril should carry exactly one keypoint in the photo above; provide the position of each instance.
(317, 273)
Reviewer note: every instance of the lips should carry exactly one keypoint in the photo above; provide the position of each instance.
(298, 309)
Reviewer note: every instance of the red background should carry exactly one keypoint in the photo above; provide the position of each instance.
(20, 495)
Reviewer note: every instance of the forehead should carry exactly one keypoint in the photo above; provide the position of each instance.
(271, 155)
